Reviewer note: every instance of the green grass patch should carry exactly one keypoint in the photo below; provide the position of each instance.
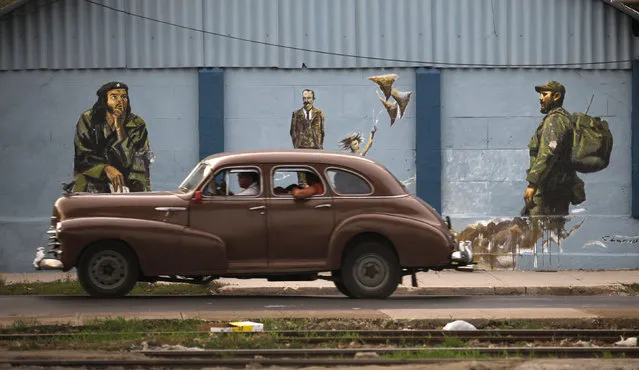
(73, 287)
(108, 334)
(631, 289)
(453, 342)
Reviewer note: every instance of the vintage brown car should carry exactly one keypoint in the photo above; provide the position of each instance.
(258, 214)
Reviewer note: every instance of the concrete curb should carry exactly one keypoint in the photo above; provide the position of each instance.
(576, 317)
(601, 290)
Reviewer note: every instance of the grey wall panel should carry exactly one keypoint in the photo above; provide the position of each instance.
(63, 35)
(403, 33)
(244, 19)
(319, 25)
(150, 44)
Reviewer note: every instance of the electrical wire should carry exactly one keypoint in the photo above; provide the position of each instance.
(479, 65)
(346, 55)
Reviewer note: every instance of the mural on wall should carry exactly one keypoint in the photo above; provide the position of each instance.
(112, 150)
(395, 110)
(562, 145)
(353, 141)
(307, 124)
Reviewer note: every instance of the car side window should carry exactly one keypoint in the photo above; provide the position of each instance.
(243, 182)
(286, 181)
(348, 183)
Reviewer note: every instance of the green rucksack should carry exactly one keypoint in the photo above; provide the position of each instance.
(591, 144)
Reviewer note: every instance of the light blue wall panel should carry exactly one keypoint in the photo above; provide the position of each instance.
(259, 105)
(38, 114)
(488, 118)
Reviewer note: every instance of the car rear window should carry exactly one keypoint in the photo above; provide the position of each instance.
(348, 183)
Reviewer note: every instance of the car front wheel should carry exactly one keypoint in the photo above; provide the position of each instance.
(370, 270)
(108, 270)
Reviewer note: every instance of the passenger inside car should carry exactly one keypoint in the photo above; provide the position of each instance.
(249, 182)
(314, 187)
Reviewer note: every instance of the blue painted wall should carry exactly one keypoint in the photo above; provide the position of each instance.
(211, 111)
(486, 118)
(428, 136)
(38, 114)
(259, 105)
(635, 139)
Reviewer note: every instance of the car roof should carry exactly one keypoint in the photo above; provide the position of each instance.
(383, 181)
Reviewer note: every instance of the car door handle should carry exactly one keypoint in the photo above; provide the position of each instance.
(170, 209)
(256, 208)
(325, 205)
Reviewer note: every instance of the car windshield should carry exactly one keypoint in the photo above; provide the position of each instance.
(196, 176)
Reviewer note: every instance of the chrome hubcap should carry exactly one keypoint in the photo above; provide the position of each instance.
(108, 269)
(371, 271)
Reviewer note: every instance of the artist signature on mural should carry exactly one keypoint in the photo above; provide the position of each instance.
(621, 239)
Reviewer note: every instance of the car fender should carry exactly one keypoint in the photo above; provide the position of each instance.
(154, 242)
(417, 243)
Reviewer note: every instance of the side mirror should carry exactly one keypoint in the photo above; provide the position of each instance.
(197, 197)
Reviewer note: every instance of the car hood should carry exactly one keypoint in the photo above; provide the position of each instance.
(143, 205)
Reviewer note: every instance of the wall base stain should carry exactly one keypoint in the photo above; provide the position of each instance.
(497, 243)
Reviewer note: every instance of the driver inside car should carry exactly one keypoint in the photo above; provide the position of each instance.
(248, 181)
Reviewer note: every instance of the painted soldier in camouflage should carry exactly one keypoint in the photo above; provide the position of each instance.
(112, 145)
(552, 182)
(307, 124)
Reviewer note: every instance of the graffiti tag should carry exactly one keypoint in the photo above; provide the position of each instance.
(621, 239)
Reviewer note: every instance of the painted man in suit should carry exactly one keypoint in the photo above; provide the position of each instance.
(307, 124)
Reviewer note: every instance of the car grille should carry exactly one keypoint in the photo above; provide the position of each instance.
(53, 243)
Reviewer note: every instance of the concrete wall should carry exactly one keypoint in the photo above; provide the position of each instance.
(39, 111)
(488, 118)
(38, 114)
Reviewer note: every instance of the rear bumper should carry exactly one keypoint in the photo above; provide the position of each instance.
(462, 257)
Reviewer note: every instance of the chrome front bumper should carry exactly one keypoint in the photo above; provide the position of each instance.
(41, 262)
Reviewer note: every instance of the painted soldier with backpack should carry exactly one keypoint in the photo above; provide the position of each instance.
(562, 145)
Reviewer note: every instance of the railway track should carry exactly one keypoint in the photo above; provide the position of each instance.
(325, 357)
(393, 347)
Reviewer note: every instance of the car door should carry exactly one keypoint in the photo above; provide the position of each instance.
(299, 229)
(238, 220)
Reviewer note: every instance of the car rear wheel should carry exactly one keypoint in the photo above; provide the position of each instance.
(370, 270)
(108, 270)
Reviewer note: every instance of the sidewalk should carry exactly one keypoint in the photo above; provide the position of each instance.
(477, 282)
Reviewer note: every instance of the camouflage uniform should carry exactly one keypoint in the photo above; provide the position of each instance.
(305, 133)
(556, 182)
(96, 147)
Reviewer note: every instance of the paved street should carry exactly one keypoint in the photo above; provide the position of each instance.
(79, 308)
